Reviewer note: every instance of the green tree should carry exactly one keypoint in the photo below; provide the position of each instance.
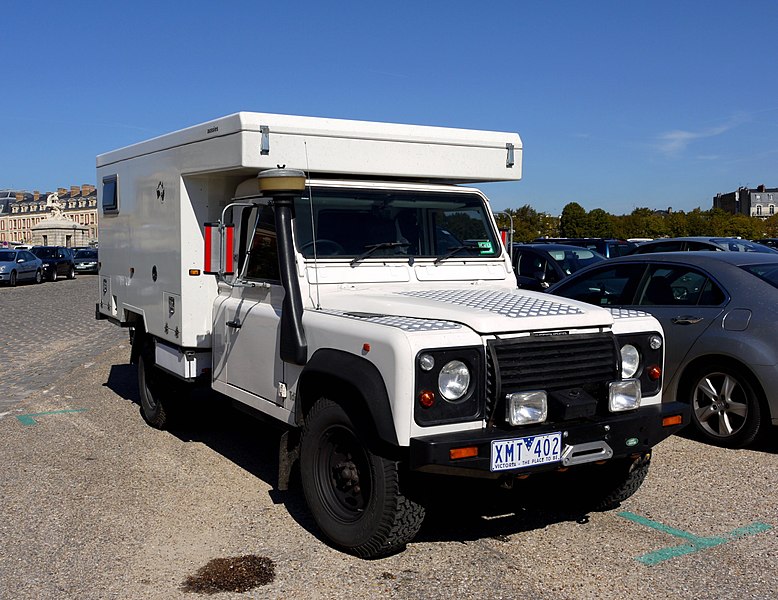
(574, 221)
(600, 224)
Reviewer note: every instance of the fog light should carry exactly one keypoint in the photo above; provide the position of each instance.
(523, 408)
(655, 341)
(623, 395)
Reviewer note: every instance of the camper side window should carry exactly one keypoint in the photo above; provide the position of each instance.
(110, 195)
(263, 251)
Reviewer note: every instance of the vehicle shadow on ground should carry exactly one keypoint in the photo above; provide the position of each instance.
(457, 510)
(767, 442)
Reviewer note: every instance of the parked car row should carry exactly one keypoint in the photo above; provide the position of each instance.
(41, 263)
(719, 313)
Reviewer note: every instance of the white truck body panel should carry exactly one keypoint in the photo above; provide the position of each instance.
(170, 185)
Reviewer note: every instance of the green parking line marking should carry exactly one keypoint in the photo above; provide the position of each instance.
(30, 419)
(696, 544)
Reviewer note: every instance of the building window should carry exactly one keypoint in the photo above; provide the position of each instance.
(771, 209)
(758, 209)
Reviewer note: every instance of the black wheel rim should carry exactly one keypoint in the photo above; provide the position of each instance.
(720, 405)
(343, 474)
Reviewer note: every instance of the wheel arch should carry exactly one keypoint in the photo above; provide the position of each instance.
(686, 380)
(352, 381)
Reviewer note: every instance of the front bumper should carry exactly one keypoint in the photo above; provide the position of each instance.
(642, 427)
(5, 276)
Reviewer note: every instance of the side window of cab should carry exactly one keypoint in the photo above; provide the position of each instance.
(262, 249)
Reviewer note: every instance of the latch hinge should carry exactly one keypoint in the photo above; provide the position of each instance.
(264, 145)
(510, 161)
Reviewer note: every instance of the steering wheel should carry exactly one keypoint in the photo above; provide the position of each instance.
(322, 245)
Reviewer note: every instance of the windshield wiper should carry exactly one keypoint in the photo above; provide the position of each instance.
(373, 247)
(450, 253)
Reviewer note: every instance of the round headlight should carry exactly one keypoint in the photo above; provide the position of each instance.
(630, 361)
(453, 381)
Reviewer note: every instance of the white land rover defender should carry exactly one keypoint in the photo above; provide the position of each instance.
(336, 277)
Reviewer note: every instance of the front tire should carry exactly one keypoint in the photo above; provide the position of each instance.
(726, 407)
(72, 273)
(353, 493)
(38, 276)
(12, 279)
(54, 274)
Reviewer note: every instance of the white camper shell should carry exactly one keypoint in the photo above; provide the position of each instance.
(362, 298)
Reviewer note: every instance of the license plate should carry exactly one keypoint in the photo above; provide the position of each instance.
(526, 451)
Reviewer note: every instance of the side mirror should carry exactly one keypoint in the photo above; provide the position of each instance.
(219, 245)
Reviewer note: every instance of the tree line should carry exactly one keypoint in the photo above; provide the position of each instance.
(575, 221)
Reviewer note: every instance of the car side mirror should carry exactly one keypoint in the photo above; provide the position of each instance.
(20, 260)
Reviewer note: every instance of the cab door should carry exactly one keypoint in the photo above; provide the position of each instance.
(248, 321)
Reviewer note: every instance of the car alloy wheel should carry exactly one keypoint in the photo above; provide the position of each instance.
(725, 406)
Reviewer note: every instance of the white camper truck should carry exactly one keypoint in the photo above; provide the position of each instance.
(337, 277)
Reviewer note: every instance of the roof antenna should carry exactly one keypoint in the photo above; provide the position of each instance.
(313, 224)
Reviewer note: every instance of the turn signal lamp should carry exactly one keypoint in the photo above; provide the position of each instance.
(427, 399)
(468, 452)
(654, 372)
(673, 420)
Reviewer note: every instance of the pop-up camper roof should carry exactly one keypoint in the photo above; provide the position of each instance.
(321, 146)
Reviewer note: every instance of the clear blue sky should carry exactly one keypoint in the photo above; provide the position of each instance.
(620, 104)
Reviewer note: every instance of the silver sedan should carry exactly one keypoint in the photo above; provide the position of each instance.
(719, 312)
(20, 265)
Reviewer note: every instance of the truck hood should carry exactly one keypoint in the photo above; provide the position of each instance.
(485, 310)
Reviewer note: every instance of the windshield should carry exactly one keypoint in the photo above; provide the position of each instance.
(44, 252)
(381, 223)
(768, 272)
(573, 259)
(7, 256)
(742, 246)
(86, 254)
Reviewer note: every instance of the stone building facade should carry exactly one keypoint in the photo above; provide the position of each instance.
(758, 202)
(20, 212)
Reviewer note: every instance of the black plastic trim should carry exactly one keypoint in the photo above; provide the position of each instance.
(363, 376)
(431, 453)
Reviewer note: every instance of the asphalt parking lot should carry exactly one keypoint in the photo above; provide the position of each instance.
(95, 504)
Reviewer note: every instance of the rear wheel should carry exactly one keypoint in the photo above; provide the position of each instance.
(726, 406)
(157, 391)
(353, 493)
(12, 279)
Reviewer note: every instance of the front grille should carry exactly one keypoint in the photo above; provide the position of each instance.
(553, 363)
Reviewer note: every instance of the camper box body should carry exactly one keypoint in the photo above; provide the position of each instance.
(167, 187)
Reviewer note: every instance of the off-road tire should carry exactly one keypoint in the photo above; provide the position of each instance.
(617, 482)
(156, 392)
(589, 487)
(12, 279)
(353, 494)
(722, 395)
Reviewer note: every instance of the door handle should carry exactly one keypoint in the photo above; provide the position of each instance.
(234, 324)
(686, 320)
